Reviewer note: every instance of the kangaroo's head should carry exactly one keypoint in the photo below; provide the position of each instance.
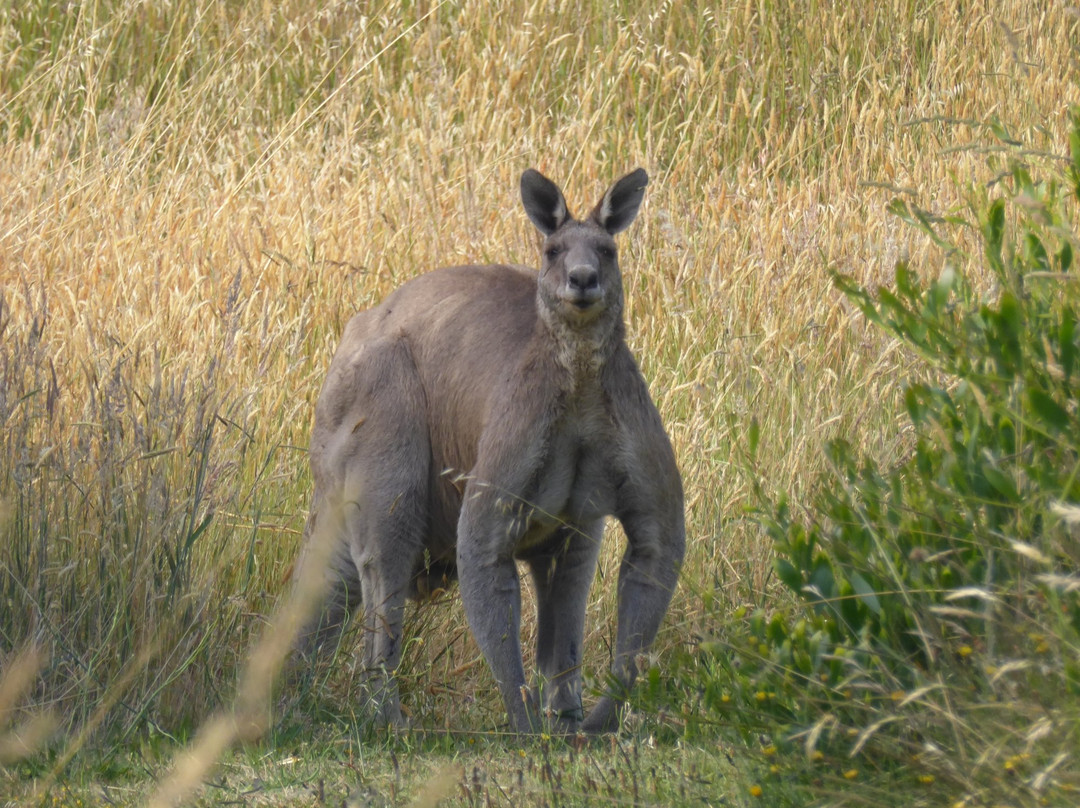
(580, 282)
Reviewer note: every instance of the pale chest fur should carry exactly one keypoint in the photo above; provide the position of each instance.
(575, 481)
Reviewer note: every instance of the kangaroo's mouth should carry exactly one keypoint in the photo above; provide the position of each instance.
(583, 310)
(583, 300)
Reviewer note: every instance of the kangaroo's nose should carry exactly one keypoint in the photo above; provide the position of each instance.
(583, 278)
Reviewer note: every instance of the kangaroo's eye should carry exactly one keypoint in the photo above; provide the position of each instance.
(552, 253)
(606, 252)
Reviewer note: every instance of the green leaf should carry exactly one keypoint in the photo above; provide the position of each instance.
(1067, 341)
(848, 604)
(1006, 434)
(753, 436)
(1002, 483)
(1035, 253)
(893, 305)
(907, 282)
(943, 287)
(857, 295)
(899, 208)
(653, 676)
(777, 630)
(1001, 133)
(916, 217)
(914, 403)
(822, 579)
(1003, 326)
(1047, 410)
(787, 573)
(1010, 314)
(1023, 179)
(865, 592)
(993, 230)
(1074, 151)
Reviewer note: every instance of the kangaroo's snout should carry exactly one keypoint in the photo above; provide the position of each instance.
(582, 289)
(584, 280)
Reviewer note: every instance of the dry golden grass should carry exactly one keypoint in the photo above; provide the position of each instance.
(195, 197)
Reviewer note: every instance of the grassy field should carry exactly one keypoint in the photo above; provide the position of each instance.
(194, 198)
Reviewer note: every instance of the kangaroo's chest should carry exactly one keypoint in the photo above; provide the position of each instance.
(575, 481)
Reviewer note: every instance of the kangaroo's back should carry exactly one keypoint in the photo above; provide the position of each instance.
(465, 329)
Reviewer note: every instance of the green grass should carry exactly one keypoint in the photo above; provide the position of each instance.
(335, 768)
(195, 197)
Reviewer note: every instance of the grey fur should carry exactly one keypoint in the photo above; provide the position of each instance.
(483, 414)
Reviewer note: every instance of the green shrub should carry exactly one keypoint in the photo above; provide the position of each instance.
(934, 632)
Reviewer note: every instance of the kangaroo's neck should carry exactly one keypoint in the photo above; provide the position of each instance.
(581, 349)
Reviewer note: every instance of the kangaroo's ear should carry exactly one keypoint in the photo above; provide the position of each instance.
(543, 201)
(620, 204)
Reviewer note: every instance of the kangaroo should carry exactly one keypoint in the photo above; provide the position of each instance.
(483, 415)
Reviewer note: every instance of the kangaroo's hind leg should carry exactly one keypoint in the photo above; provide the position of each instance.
(387, 547)
(334, 591)
(325, 592)
(383, 461)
